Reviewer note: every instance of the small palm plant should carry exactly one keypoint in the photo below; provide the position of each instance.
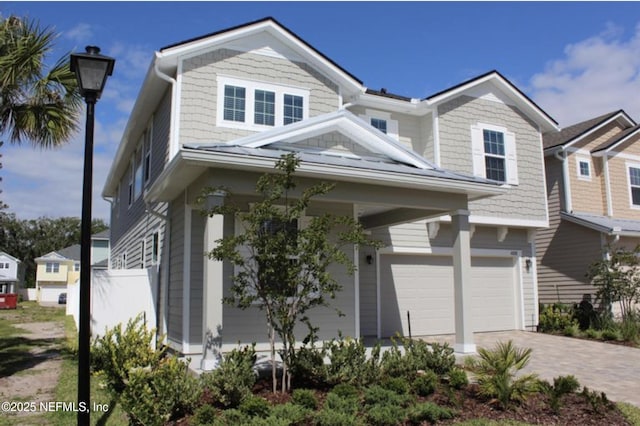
(496, 371)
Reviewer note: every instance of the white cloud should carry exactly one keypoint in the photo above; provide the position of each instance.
(80, 33)
(597, 75)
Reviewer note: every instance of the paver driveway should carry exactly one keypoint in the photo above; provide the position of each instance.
(606, 367)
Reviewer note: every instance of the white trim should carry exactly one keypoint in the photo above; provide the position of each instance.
(580, 158)
(595, 129)
(518, 293)
(186, 277)
(392, 125)
(534, 279)
(447, 251)
(378, 302)
(176, 103)
(568, 201)
(607, 185)
(250, 87)
(501, 221)
(624, 155)
(436, 136)
(544, 176)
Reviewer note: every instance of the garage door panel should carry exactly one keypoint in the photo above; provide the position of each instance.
(423, 285)
(50, 293)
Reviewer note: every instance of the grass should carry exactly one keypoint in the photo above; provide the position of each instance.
(485, 422)
(33, 312)
(67, 388)
(631, 412)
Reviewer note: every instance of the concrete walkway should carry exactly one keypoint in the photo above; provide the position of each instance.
(605, 367)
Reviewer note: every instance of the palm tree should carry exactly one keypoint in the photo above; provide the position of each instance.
(36, 104)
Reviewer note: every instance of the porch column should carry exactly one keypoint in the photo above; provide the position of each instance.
(462, 282)
(212, 294)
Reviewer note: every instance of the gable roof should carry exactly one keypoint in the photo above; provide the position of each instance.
(617, 140)
(571, 134)
(2, 253)
(67, 253)
(496, 79)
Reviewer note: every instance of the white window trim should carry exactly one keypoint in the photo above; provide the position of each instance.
(155, 237)
(250, 87)
(146, 169)
(629, 166)
(582, 159)
(510, 153)
(392, 125)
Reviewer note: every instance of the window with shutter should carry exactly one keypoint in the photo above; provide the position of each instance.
(493, 151)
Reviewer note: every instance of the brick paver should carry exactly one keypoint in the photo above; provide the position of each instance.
(605, 367)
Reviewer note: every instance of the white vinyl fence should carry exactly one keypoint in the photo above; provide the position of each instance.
(117, 295)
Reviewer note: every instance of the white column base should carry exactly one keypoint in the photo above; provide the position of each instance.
(208, 364)
(464, 348)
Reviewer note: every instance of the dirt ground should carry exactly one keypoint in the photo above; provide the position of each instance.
(36, 377)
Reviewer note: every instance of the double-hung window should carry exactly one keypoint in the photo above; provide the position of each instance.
(379, 124)
(494, 153)
(254, 105)
(52, 267)
(147, 155)
(634, 185)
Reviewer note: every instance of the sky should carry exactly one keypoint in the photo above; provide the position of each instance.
(575, 60)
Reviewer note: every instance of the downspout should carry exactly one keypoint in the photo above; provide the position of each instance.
(174, 98)
(607, 184)
(561, 155)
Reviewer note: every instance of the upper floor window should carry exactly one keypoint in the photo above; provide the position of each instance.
(494, 153)
(254, 105)
(147, 155)
(76, 266)
(634, 184)
(52, 267)
(265, 107)
(583, 168)
(155, 247)
(382, 121)
(379, 124)
(293, 108)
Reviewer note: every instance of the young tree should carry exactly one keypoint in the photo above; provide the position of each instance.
(282, 267)
(617, 278)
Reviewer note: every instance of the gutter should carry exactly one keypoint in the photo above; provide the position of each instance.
(173, 128)
(561, 155)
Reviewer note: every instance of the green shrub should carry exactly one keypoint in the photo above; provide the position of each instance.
(611, 334)
(305, 398)
(571, 330)
(377, 395)
(329, 417)
(425, 384)
(119, 351)
(496, 371)
(155, 396)
(428, 412)
(416, 355)
(598, 401)
(234, 378)
(562, 385)
(458, 378)
(593, 334)
(345, 390)
(308, 368)
(348, 362)
(556, 318)
(398, 385)
(255, 406)
(232, 417)
(204, 415)
(292, 414)
(346, 405)
(385, 415)
(630, 328)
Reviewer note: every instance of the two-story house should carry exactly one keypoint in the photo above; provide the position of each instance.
(60, 268)
(452, 184)
(593, 189)
(55, 270)
(11, 273)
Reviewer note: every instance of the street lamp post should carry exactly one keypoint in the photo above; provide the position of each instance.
(91, 69)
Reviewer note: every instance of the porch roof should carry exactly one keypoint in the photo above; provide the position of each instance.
(608, 225)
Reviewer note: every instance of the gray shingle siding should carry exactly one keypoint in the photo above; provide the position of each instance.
(199, 89)
(525, 201)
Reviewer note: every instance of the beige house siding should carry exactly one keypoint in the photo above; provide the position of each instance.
(587, 196)
(526, 201)
(198, 100)
(627, 154)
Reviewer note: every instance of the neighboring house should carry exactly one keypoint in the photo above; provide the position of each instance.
(11, 273)
(452, 184)
(56, 270)
(593, 188)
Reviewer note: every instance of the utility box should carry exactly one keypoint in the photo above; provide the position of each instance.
(8, 300)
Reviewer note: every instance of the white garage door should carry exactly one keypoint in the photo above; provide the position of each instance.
(423, 286)
(50, 292)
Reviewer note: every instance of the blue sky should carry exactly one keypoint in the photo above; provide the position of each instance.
(576, 60)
